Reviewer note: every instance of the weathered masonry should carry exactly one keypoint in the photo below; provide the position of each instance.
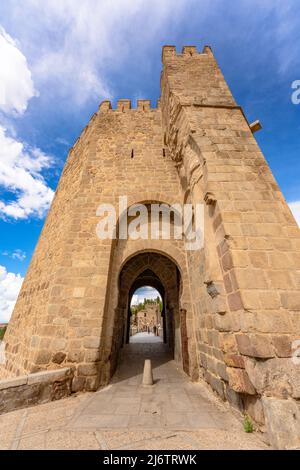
(232, 308)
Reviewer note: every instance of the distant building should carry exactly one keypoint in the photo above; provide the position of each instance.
(148, 318)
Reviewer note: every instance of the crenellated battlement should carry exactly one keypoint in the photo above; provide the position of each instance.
(170, 52)
(125, 105)
(194, 78)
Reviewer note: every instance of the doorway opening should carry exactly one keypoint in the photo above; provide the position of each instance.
(146, 321)
(154, 270)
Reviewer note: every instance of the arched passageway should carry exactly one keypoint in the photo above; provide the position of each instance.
(160, 272)
(146, 314)
(149, 278)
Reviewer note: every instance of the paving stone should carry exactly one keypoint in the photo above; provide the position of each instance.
(63, 440)
(123, 416)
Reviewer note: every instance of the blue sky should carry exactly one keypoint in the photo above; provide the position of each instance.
(143, 293)
(60, 58)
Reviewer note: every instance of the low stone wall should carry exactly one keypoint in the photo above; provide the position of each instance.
(33, 389)
(282, 422)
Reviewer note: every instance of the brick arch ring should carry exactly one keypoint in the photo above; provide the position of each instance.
(147, 198)
(171, 253)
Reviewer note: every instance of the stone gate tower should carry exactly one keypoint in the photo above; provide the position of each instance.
(232, 308)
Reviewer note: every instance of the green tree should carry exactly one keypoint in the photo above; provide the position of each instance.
(2, 332)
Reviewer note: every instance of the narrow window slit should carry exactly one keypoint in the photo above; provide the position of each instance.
(132, 153)
(164, 152)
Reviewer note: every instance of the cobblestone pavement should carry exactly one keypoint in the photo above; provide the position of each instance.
(173, 414)
(144, 337)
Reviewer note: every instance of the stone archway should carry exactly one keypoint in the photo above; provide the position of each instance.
(150, 279)
(160, 272)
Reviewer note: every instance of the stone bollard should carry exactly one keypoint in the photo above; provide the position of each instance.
(147, 376)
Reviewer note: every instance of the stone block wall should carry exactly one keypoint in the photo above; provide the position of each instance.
(34, 389)
(60, 317)
(248, 315)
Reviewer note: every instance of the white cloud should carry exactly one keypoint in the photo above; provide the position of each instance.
(146, 292)
(21, 166)
(75, 43)
(295, 208)
(135, 299)
(16, 85)
(21, 174)
(10, 285)
(18, 254)
(62, 141)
